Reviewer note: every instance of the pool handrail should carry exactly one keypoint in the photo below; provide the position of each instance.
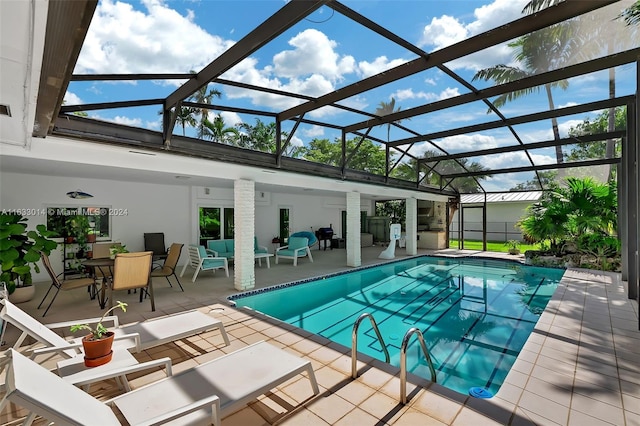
(354, 342)
(403, 361)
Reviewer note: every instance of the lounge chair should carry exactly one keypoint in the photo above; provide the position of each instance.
(200, 260)
(136, 337)
(297, 247)
(201, 394)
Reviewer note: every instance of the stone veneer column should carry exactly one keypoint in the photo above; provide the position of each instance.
(354, 251)
(244, 275)
(411, 226)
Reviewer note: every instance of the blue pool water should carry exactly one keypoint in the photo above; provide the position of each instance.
(475, 314)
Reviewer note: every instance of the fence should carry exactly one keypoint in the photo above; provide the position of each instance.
(496, 231)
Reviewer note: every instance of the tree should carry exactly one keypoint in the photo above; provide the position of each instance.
(631, 15)
(582, 207)
(369, 157)
(386, 108)
(547, 177)
(218, 132)
(594, 150)
(262, 137)
(203, 95)
(185, 118)
(536, 52)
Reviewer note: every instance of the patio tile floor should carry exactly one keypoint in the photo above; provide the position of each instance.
(579, 367)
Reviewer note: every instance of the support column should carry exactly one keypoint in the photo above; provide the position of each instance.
(354, 251)
(244, 277)
(411, 226)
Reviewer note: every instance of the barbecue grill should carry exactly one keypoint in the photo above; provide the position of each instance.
(325, 234)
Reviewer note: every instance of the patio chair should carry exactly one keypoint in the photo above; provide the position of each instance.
(64, 285)
(169, 267)
(154, 242)
(136, 336)
(298, 247)
(132, 271)
(202, 394)
(200, 260)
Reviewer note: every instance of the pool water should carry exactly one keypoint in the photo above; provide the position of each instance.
(475, 314)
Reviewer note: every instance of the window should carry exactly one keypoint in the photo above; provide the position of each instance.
(284, 225)
(209, 218)
(80, 221)
(215, 223)
(229, 228)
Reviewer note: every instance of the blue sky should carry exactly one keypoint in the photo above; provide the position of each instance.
(320, 54)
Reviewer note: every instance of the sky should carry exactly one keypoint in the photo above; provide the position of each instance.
(320, 54)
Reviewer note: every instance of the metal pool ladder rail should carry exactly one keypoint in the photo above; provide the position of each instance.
(354, 342)
(403, 361)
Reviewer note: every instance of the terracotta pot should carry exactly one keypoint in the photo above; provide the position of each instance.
(97, 352)
(22, 294)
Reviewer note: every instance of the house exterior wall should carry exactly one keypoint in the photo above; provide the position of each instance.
(172, 209)
(501, 220)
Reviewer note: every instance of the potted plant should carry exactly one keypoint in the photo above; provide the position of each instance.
(20, 251)
(513, 246)
(117, 248)
(97, 344)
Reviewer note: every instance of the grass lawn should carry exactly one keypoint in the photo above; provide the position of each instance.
(492, 246)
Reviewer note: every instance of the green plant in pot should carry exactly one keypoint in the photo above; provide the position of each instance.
(20, 250)
(514, 246)
(117, 248)
(97, 344)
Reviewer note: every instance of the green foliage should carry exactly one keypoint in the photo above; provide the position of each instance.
(20, 249)
(369, 156)
(547, 178)
(583, 206)
(600, 124)
(99, 330)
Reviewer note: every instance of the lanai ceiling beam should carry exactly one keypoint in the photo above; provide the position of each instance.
(552, 15)
(289, 15)
(597, 137)
(583, 68)
(522, 119)
(574, 164)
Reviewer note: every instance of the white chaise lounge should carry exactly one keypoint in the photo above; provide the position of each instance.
(215, 388)
(142, 335)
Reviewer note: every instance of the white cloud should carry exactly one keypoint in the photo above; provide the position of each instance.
(404, 94)
(446, 30)
(123, 40)
(71, 99)
(314, 54)
(296, 141)
(230, 118)
(313, 131)
(381, 63)
(127, 121)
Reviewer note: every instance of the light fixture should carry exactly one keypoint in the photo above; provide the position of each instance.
(78, 194)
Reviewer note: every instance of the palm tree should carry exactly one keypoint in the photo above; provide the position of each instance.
(537, 52)
(203, 95)
(218, 132)
(386, 108)
(631, 15)
(185, 118)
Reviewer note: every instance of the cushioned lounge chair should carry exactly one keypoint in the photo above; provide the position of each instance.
(297, 247)
(200, 260)
(202, 394)
(137, 336)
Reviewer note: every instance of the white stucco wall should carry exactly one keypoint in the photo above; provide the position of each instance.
(172, 209)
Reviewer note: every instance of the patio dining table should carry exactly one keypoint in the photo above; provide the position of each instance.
(105, 266)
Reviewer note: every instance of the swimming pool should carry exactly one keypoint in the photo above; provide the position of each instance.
(475, 314)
